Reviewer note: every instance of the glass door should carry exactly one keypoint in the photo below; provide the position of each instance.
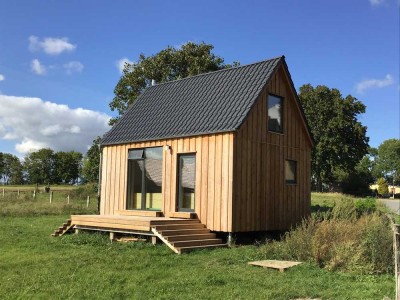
(144, 179)
(186, 182)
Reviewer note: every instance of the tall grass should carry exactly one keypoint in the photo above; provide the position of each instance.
(346, 238)
(26, 205)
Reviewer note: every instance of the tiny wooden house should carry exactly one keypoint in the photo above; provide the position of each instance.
(231, 148)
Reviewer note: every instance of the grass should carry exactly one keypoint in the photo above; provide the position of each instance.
(33, 265)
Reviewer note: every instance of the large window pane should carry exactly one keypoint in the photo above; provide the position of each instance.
(135, 183)
(275, 110)
(153, 163)
(145, 178)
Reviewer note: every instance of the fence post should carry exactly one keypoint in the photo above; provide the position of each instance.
(68, 199)
(3, 193)
(34, 194)
(51, 196)
(87, 201)
(18, 193)
(396, 258)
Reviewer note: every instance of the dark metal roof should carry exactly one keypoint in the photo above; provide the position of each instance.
(203, 104)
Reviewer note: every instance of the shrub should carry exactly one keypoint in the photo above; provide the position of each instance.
(382, 186)
(365, 206)
(339, 240)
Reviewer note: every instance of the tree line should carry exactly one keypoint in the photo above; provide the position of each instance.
(46, 166)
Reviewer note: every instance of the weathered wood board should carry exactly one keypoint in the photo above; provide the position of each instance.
(281, 265)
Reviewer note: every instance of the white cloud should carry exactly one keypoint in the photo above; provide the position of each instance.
(33, 124)
(73, 66)
(376, 2)
(37, 67)
(49, 45)
(121, 63)
(2, 77)
(374, 83)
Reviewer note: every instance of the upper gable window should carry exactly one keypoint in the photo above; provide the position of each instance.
(275, 114)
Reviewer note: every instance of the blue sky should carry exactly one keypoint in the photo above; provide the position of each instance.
(59, 59)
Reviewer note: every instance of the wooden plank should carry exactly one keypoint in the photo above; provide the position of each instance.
(211, 180)
(204, 180)
(225, 183)
(118, 150)
(275, 264)
(230, 183)
(103, 181)
(147, 213)
(199, 157)
(183, 215)
(173, 175)
(114, 226)
(218, 182)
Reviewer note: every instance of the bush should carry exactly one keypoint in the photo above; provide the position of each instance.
(365, 206)
(349, 238)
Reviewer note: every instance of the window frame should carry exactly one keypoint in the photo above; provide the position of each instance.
(291, 181)
(281, 114)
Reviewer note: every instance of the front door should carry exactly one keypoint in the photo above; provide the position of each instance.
(186, 182)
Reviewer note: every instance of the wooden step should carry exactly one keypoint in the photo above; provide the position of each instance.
(179, 226)
(192, 243)
(167, 233)
(177, 238)
(187, 249)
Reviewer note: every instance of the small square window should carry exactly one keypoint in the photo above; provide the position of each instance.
(291, 171)
(275, 114)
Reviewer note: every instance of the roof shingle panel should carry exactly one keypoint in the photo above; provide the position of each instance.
(203, 104)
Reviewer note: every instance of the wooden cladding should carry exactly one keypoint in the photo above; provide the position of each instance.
(262, 199)
(239, 176)
(213, 188)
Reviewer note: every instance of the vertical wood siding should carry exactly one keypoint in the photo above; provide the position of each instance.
(261, 198)
(214, 167)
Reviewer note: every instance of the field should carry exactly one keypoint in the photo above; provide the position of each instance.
(33, 265)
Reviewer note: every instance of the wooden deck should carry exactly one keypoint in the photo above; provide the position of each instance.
(117, 223)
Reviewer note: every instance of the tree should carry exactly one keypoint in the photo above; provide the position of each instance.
(91, 162)
(358, 181)
(168, 64)
(67, 167)
(340, 139)
(40, 166)
(382, 186)
(12, 169)
(387, 162)
(1, 163)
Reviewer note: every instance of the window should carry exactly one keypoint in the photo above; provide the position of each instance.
(291, 171)
(145, 179)
(275, 112)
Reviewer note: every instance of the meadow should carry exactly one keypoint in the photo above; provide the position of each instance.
(34, 265)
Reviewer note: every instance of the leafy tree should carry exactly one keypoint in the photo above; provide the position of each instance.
(382, 186)
(40, 166)
(340, 139)
(168, 64)
(387, 162)
(358, 181)
(90, 169)
(12, 169)
(67, 167)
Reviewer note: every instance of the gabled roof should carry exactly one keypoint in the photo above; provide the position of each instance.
(204, 104)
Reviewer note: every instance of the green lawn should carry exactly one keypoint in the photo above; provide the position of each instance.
(34, 265)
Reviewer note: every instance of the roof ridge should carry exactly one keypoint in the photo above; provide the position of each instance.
(212, 72)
